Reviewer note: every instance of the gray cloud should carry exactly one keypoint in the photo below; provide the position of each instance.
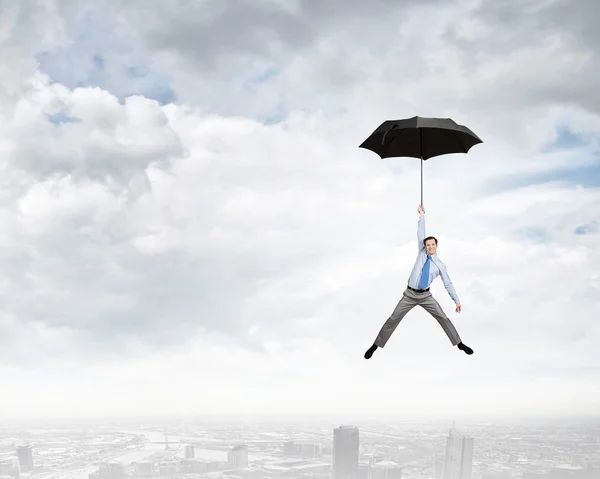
(562, 42)
(264, 59)
(231, 58)
(88, 277)
(213, 30)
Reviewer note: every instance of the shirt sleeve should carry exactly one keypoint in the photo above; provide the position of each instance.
(421, 234)
(448, 285)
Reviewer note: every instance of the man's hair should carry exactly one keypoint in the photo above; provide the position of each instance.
(428, 238)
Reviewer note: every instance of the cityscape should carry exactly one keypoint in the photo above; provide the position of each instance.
(302, 450)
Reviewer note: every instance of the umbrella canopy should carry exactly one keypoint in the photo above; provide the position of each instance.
(420, 137)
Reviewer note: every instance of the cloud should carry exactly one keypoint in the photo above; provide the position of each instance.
(214, 33)
(102, 139)
(103, 53)
(535, 52)
(194, 254)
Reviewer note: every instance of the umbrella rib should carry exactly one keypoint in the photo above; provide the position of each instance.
(386, 132)
(391, 141)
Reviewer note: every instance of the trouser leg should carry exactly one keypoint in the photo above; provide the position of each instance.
(433, 307)
(405, 304)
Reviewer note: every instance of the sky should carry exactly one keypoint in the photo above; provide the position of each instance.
(189, 227)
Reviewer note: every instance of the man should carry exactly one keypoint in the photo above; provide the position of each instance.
(427, 267)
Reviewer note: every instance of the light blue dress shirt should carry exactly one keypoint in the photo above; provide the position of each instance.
(436, 268)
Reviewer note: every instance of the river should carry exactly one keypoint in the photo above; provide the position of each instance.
(155, 445)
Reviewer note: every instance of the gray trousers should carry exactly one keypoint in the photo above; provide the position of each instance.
(409, 300)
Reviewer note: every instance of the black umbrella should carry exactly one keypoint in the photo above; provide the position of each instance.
(419, 137)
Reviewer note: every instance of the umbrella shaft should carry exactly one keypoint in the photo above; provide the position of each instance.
(422, 182)
(421, 142)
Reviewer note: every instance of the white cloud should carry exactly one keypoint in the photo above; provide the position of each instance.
(189, 257)
(93, 136)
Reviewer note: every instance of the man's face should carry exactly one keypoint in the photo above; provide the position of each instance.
(430, 246)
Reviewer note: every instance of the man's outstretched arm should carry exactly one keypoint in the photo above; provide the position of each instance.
(450, 287)
(421, 234)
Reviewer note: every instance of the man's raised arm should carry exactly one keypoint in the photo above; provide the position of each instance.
(421, 234)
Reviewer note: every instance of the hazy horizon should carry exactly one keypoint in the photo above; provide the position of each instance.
(349, 418)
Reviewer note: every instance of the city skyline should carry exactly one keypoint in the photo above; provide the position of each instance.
(310, 450)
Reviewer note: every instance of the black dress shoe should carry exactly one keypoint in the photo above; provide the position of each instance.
(370, 352)
(464, 348)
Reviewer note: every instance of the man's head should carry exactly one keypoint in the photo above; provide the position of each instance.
(430, 244)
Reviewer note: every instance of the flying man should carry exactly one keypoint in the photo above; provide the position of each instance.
(427, 267)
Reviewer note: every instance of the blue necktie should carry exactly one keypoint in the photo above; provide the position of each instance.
(425, 274)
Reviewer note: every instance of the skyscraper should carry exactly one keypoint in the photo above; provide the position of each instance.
(189, 451)
(459, 455)
(25, 455)
(237, 457)
(345, 452)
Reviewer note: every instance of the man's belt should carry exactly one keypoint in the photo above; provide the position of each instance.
(418, 290)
